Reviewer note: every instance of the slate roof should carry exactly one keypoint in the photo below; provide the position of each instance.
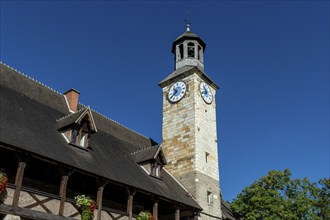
(226, 211)
(28, 121)
(188, 35)
(184, 72)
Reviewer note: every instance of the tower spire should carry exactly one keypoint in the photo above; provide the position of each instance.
(187, 22)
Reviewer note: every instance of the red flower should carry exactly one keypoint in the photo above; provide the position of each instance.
(3, 182)
(92, 207)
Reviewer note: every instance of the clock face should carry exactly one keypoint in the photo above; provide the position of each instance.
(206, 92)
(177, 91)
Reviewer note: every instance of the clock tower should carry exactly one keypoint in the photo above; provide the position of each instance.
(189, 125)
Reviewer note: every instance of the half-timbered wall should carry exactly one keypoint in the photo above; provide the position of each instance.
(39, 194)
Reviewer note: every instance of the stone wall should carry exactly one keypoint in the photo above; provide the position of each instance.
(189, 134)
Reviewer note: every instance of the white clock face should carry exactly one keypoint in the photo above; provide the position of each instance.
(206, 92)
(177, 91)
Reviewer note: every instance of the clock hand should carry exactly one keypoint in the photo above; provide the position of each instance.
(173, 94)
(175, 91)
(206, 91)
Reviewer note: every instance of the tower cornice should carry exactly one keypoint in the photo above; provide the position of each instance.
(184, 72)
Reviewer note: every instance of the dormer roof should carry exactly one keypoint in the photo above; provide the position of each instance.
(150, 154)
(76, 119)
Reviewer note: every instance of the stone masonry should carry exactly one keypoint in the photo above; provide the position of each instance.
(190, 145)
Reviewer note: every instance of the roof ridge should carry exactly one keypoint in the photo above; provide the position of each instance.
(106, 117)
(144, 149)
(29, 77)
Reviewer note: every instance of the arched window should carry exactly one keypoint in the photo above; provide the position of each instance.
(199, 52)
(191, 49)
(180, 53)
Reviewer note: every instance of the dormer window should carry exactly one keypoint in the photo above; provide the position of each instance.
(152, 160)
(155, 169)
(191, 49)
(76, 128)
(79, 137)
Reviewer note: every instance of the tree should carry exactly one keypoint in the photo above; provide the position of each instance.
(276, 196)
(323, 199)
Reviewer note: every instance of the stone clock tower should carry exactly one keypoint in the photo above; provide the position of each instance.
(189, 124)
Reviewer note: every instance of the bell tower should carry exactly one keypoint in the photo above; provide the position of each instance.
(189, 136)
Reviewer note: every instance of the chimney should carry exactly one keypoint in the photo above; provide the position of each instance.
(72, 96)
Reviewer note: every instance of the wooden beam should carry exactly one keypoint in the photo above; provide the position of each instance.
(130, 192)
(39, 202)
(29, 213)
(99, 196)
(155, 210)
(62, 194)
(99, 199)
(18, 183)
(177, 214)
(130, 207)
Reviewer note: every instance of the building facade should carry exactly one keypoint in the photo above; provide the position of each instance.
(53, 148)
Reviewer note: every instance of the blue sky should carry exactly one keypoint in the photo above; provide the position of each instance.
(270, 58)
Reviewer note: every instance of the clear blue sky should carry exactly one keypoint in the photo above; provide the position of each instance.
(270, 58)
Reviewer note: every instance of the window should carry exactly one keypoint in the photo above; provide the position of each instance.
(180, 55)
(155, 169)
(207, 157)
(199, 52)
(79, 137)
(191, 49)
(209, 196)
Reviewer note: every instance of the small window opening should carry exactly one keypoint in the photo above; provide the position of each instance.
(180, 55)
(155, 169)
(207, 157)
(199, 53)
(209, 196)
(191, 50)
(79, 137)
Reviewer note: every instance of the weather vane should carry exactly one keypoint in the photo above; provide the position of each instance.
(187, 21)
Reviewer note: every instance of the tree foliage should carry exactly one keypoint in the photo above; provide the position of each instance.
(276, 196)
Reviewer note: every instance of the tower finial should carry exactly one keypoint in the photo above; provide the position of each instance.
(187, 21)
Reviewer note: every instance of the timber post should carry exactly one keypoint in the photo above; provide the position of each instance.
(62, 194)
(131, 194)
(155, 208)
(18, 183)
(99, 198)
(177, 213)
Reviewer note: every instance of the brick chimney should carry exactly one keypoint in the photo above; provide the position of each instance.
(72, 96)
